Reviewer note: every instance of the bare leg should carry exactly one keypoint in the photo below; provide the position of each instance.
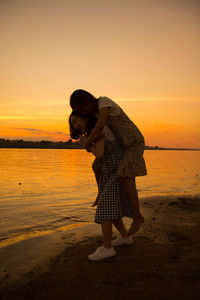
(97, 176)
(130, 188)
(107, 233)
(120, 227)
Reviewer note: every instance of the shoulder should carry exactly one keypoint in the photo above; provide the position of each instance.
(107, 102)
(109, 135)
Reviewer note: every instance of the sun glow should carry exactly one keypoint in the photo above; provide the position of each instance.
(143, 56)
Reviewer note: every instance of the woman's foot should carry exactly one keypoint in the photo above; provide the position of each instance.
(96, 201)
(138, 220)
(102, 253)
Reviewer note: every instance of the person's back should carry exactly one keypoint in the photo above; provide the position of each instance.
(125, 130)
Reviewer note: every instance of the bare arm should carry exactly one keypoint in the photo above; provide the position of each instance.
(96, 132)
(98, 148)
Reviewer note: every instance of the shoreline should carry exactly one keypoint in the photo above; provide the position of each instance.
(62, 148)
(165, 255)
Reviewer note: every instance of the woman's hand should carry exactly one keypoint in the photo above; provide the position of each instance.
(97, 137)
(83, 139)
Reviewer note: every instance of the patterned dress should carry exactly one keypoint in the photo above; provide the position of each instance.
(132, 163)
(113, 200)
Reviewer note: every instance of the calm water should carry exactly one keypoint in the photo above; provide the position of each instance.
(47, 190)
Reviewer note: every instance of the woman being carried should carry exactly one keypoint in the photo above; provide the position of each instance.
(113, 202)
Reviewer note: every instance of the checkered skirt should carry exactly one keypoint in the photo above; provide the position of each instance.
(113, 199)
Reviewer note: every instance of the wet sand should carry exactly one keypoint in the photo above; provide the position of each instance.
(163, 263)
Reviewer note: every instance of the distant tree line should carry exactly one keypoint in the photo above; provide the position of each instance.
(4, 143)
(70, 144)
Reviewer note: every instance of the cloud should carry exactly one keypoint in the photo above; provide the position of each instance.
(35, 131)
(30, 129)
(58, 132)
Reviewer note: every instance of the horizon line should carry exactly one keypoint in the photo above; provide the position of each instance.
(61, 141)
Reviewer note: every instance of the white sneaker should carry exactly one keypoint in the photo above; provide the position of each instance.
(101, 253)
(99, 249)
(120, 241)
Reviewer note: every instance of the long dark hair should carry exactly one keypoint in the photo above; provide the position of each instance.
(81, 97)
(91, 122)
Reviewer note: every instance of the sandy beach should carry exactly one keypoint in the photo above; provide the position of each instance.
(163, 263)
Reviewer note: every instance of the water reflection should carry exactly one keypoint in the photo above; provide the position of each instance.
(46, 189)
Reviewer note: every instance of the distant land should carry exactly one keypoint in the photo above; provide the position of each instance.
(5, 143)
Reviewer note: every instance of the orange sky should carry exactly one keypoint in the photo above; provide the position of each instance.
(142, 54)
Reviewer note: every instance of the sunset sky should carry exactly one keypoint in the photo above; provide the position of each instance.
(143, 54)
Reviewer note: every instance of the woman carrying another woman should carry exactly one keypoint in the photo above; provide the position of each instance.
(113, 202)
